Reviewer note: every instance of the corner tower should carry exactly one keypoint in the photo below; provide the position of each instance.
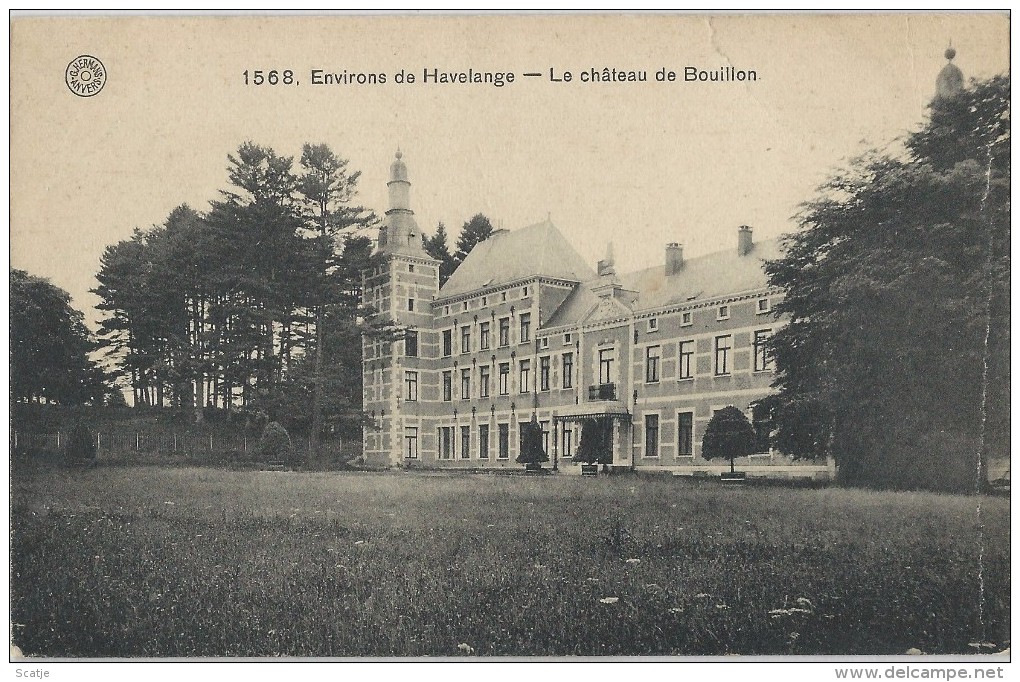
(398, 288)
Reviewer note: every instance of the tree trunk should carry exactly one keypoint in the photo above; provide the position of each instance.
(313, 440)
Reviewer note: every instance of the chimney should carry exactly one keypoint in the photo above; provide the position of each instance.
(744, 241)
(607, 266)
(674, 259)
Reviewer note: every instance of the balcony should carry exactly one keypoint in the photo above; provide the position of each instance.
(606, 392)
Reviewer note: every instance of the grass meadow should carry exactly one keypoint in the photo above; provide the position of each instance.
(174, 562)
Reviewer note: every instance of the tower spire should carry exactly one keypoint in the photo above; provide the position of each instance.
(950, 79)
(399, 232)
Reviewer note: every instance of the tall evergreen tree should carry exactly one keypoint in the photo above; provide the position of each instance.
(475, 230)
(896, 356)
(328, 190)
(438, 247)
(50, 346)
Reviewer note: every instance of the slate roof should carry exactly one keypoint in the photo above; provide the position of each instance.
(511, 255)
(706, 277)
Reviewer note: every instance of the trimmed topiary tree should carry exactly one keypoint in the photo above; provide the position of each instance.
(591, 448)
(275, 445)
(81, 445)
(532, 453)
(729, 435)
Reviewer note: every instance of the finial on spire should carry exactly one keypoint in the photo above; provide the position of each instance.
(400, 155)
(950, 51)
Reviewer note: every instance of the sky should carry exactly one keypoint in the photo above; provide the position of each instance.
(639, 164)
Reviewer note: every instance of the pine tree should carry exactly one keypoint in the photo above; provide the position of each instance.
(474, 231)
(437, 247)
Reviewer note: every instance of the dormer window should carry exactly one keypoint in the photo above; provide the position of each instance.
(724, 312)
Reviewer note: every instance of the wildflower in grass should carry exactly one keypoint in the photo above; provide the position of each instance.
(914, 651)
(722, 607)
(633, 561)
(609, 600)
(466, 648)
(805, 603)
(702, 595)
(676, 609)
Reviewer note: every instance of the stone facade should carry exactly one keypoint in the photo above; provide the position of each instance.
(524, 327)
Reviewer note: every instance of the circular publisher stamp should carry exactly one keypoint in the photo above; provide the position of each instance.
(85, 76)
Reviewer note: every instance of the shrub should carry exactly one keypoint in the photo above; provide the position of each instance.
(81, 445)
(728, 435)
(532, 451)
(594, 446)
(275, 445)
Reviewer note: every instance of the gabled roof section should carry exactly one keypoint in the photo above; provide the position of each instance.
(508, 255)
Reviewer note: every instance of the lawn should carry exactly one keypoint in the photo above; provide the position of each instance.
(147, 561)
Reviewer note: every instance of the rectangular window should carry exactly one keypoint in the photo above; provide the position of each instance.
(504, 441)
(653, 324)
(545, 436)
(411, 442)
(685, 434)
(761, 420)
(543, 373)
(504, 331)
(483, 441)
(686, 319)
(447, 342)
(651, 435)
(483, 336)
(762, 357)
(447, 386)
(525, 327)
(410, 268)
(724, 312)
(566, 338)
(652, 355)
(446, 446)
(568, 442)
(544, 343)
(410, 305)
(411, 343)
(465, 384)
(465, 339)
(686, 368)
(568, 370)
(723, 344)
(504, 378)
(465, 442)
(606, 365)
(525, 377)
(410, 386)
(524, 293)
(483, 381)
(764, 305)
(521, 430)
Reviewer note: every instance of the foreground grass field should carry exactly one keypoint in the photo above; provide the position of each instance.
(135, 561)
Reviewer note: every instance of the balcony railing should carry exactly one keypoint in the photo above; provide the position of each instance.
(602, 392)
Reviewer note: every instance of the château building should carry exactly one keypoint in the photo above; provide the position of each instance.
(526, 327)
